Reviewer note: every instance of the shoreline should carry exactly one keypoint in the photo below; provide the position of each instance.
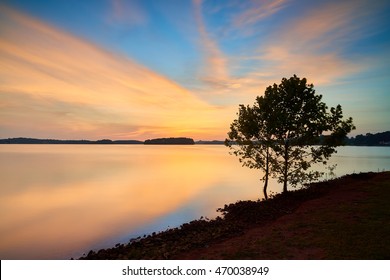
(202, 238)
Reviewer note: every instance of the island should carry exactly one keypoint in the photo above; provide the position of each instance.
(170, 141)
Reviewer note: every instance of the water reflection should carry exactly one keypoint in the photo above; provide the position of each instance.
(59, 201)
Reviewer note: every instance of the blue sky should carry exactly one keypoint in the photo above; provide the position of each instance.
(141, 69)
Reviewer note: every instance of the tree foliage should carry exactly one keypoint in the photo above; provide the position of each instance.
(252, 141)
(286, 131)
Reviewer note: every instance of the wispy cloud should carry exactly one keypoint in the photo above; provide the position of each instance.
(52, 81)
(215, 65)
(257, 11)
(217, 68)
(314, 44)
(215, 72)
(54, 84)
(127, 12)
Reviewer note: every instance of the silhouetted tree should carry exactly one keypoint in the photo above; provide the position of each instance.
(291, 121)
(250, 140)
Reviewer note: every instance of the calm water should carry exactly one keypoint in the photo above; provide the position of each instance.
(60, 201)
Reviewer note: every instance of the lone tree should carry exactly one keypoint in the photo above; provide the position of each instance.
(286, 131)
(250, 139)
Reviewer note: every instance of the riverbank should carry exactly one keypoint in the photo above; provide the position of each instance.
(346, 218)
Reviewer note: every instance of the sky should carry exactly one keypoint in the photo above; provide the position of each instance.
(142, 69)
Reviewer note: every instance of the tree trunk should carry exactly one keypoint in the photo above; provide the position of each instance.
(266, 174)
(265, 188)
(285, 171)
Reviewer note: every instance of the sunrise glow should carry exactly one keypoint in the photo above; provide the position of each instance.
(143, 69)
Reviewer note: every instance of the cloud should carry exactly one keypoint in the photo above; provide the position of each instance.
(127, 12)
(53, 83)
(314, 43)
(335, 44)
(311, 40)
(215, 65)
(257, 11)
(220, 86)
(218, 68)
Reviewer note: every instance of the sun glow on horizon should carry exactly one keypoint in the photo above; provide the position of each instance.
(57, 84)
(145, 69)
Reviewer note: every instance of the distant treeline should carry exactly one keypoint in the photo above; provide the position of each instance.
(377, 139)
(22, 140)
(213, 142)
(170, 141)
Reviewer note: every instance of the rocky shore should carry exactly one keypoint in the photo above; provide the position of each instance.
(244, 227)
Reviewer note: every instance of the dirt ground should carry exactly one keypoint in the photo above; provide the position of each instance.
(298, 235)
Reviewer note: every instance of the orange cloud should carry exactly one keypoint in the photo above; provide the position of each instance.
(217, 66)
(57, 85)
(312, 45)
(221, 86)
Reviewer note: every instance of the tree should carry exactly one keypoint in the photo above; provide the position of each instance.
(250, 140)
(294, 126)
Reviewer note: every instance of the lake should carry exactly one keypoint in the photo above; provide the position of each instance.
(60, 201)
